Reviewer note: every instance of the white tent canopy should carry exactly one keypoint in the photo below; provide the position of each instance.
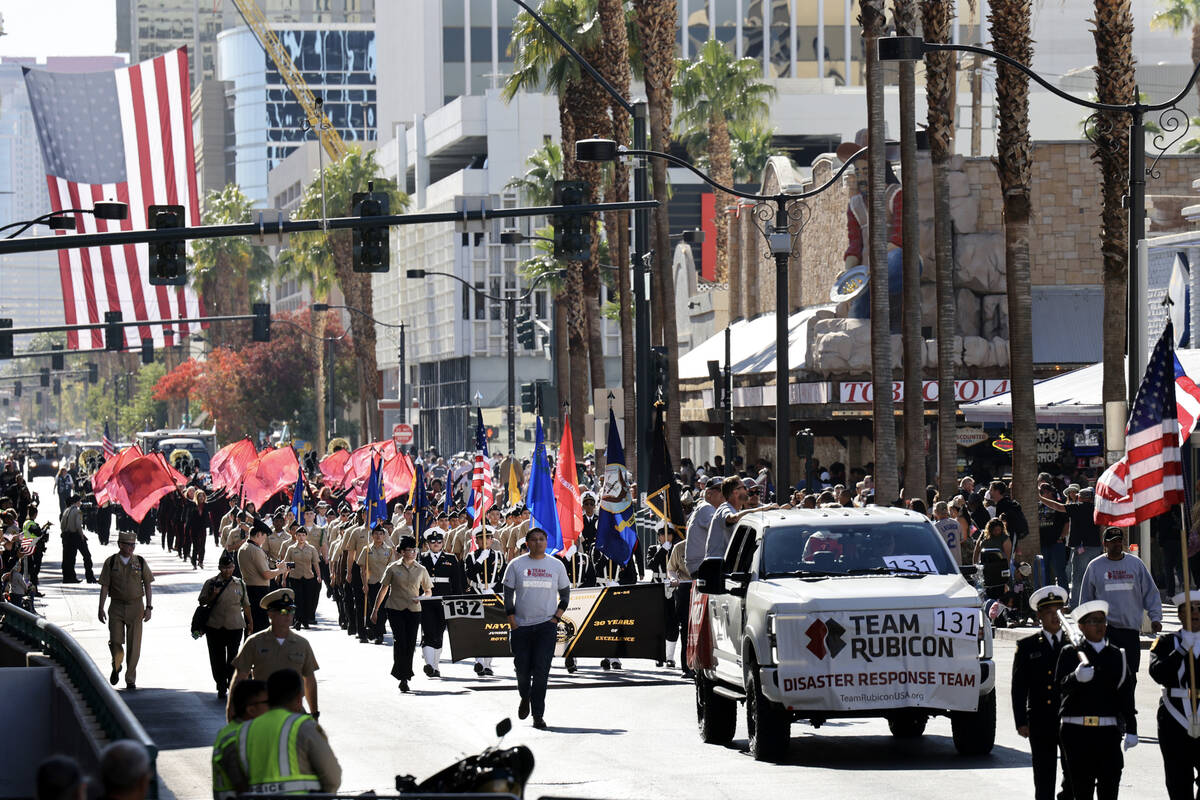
(752, 345)
(1073, 397)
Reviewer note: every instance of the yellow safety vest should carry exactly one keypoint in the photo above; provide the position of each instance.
(222, 785)
(267, 746)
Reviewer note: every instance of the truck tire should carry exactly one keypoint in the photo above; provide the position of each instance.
(716, 716)
(907, 724)
(975, 731)
(768, 723)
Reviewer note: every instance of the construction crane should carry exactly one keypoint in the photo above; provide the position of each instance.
(331, 140)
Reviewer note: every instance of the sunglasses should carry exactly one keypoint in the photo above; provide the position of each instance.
(285, 610)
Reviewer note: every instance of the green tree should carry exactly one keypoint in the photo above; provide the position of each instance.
(227, 271)
(713, 92)
(1178, 15)
(750, 147)
(323, 257)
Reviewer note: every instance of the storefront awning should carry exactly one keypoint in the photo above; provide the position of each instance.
(752, 345)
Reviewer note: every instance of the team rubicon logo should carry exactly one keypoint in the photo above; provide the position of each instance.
(825, 638)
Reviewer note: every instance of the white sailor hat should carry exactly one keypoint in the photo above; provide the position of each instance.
(1048, 596)
(1183, 597)
(1083, 609)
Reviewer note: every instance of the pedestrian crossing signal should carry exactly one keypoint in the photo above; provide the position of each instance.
(167, 256)
(44, 377)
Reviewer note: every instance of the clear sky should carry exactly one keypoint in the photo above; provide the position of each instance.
(58, 28)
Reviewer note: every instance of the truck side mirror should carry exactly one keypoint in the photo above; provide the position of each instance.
(710, 577)
(740, 581)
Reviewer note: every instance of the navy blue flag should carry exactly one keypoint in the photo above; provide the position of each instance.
(616, 535)
(420, 501)
(539, 497)
(375, 504)
(298, 497)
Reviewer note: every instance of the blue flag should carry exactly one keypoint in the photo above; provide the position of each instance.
(616, 535)
(298, 497)
(449, 492)
(539, 497)
(374, 502)
(420, 502)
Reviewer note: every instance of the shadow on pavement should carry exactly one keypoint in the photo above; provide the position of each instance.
(874, 752)
(598, 731)
(177, 719)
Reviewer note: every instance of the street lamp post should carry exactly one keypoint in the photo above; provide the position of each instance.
(780, 218)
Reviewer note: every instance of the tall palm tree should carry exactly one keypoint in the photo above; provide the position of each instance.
(887, 479)
(330, 254)
(940, 69)
(905, 15)
(1010, 20)
(228, 271)
(715, 91)
(1177, 15)
(1115, 83)
(656, 34)
(749, 148)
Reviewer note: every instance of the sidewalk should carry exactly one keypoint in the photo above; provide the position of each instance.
(1170, 624)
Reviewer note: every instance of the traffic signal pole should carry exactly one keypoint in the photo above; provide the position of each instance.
(510, 304)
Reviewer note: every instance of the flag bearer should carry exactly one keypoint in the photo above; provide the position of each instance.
(1169, 666)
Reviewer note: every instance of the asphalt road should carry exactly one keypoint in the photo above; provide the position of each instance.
(628, 734)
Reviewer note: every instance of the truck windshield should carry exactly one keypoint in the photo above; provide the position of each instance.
(897, 547)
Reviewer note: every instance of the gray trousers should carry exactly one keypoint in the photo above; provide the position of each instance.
(1078, 563)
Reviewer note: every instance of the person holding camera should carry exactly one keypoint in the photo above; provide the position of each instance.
(229, 617)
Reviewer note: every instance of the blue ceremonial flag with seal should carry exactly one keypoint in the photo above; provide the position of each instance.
(616, 534)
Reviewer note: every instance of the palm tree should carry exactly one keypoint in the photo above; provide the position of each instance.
(887, 479)
(227, 271)
(1115, 83)
(329, 257)
(1176, 15)
(1010, 20)
(716, 91)
(656, 35)
(749, 146)
(939, 86)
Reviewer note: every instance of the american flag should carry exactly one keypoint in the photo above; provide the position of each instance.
(28, 545)
(125, 135)
(481, 477)
(106, 443)
(1187, 402)
(1149, 479)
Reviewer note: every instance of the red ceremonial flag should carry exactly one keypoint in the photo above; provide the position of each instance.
(272, 472)
(141, 483)
(333, 467)
(358, 469)
(397, 476)
(231, 462)
(122, 135)
(102, 480)
(566, 492)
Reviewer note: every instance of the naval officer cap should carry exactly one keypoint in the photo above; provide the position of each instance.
(278, 600)
(1093, 607)
(1185, 597)
(1047, 597)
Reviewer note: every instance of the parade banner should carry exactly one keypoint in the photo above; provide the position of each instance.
(864, 660)
(601, 622)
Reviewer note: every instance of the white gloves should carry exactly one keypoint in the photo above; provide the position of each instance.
(1084, 673)
(1131, 741)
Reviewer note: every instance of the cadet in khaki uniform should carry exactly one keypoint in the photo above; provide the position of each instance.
(228, 617)
(257, 573)
(402, 583)
(303, 563)
(262, 654)
(355, 539)
(373, 560)
(279, 538)
(126, 579)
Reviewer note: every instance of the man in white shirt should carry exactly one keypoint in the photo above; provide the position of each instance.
(697, 527)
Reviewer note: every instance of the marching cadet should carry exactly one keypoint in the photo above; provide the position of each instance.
(447, 575)
(303, 563)
(257, 573)
(582, 574)
(657, 557)
(458, 537)
(279, 538)
(485, 573)
(337, 565)
(609, 573)
(402, 585)
(353, 541)
(125, 579)
(591, 519)
(1097, 705)
(278, 647)
(402, 525)
(1035, 696)
(1169, 667)
(373, 560)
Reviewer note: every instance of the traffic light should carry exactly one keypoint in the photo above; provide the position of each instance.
(262, 322)
(528, 397)
(660, 373)
(526, 332)
(44, 377)
(6, 339)
(371, 251)
(572, 232)
(114, 334)
(168, 266)
(17, 389)
(57, 387)
(57, 362)
(147, 351)
(93, 373)
(804, 444)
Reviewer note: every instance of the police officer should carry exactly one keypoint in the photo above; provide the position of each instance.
(373, 560)
(1169, 666)
(125, 578)
(1034, 693)
(447, 575)
(1097, 705)
(278, 647)
(484, 569)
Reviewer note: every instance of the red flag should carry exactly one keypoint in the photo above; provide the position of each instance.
(397, 476)
(231, 462)
(102, 480)
(358, 469)
(333, 467)
(566, 492)
(272, 472)
(141, 483)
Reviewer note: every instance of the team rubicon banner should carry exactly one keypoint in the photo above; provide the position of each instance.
(601, 622)
(862, 660)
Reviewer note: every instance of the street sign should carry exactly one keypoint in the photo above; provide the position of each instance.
(402, 432)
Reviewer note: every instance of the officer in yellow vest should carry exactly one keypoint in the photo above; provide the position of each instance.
(284, 751)
(249, 701)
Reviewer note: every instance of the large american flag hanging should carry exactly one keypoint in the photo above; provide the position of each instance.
(1149, 479)
(123, 135)
(481, 478)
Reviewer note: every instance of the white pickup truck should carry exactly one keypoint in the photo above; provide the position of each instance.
(834, 613)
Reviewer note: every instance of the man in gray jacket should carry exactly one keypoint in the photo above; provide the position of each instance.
(1123, 581)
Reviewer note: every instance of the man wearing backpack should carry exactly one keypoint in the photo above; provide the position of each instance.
(1009, 510)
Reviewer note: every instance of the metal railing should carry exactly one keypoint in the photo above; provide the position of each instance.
(112, 715)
